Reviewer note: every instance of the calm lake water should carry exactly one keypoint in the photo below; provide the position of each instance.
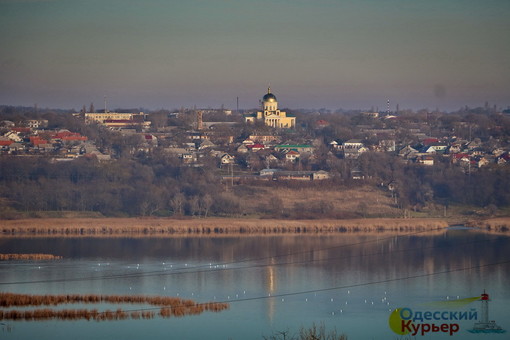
(349, 282)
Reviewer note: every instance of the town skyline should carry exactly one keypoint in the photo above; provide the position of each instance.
(321, 54)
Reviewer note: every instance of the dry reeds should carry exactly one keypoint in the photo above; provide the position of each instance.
(29, 257)
(495, 225)
(164, 227)
(170, 307)
(73, 314)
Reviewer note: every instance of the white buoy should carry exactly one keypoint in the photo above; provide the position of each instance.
(331, 299)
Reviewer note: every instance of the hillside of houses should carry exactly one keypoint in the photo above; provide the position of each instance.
(188, 162)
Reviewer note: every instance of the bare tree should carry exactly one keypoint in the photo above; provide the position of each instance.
(206, 203)
(177, 203)
(194, 205)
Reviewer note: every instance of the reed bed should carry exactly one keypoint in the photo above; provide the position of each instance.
(19, 300)
(170, 307)
(498, 225)
(29, 257)
(166, 227)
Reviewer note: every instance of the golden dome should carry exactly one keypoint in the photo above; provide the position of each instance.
(269, 97)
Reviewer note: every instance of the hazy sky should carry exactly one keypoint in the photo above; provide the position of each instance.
(314, 53)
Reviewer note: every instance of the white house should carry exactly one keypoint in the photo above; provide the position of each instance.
(13, 136)
(227, 159)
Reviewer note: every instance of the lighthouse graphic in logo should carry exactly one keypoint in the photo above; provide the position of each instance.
(484, 325)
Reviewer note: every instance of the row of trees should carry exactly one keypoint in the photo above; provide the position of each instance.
(161, 186)
(123, 187)
(416, 186)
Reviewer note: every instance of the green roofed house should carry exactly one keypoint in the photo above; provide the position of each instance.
(296, 147)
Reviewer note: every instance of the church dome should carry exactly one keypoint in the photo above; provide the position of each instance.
(269, 97)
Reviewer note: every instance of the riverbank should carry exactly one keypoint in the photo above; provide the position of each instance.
(153, 227)
(497, 224)
(168, 227)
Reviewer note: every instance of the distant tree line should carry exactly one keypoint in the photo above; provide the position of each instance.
(122, 187)
(416, 186)
(159, 185)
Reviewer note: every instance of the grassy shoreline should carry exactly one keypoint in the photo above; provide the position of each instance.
(209, 227)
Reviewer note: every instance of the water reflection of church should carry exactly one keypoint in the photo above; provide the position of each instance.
(271, 115)
(271, 289)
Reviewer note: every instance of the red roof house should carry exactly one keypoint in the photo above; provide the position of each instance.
(255, 147)
(5, 141)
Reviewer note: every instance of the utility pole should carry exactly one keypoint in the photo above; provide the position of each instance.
(232, 175)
